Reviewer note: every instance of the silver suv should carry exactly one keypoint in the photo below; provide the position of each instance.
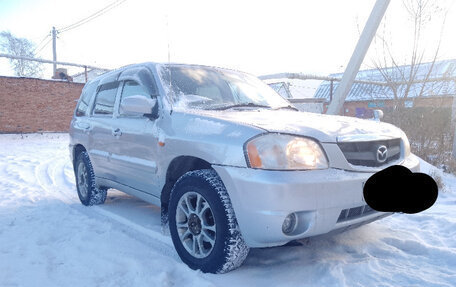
(231, 163)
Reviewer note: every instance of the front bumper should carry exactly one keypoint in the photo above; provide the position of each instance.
(262, 199)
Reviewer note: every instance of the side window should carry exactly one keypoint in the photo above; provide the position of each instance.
(132, 88)
(106, 97)
(86, 95)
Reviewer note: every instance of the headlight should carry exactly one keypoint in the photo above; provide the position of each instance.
(406, 145)
(285, 152)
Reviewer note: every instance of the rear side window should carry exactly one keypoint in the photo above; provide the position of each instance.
(106, 97)
(86, 95)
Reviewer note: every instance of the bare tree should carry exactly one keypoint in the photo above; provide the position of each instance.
(20, 47)
(411, 75)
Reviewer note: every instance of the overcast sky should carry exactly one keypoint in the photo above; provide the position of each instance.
(259, 37)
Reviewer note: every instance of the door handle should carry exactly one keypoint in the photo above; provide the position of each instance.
(85, 127)
(116, 132)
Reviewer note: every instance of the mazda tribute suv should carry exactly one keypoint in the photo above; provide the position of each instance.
(232, 164)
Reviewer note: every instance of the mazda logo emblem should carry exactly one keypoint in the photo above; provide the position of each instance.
(382, 154)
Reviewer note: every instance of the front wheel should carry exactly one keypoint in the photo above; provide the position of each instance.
(203, 226)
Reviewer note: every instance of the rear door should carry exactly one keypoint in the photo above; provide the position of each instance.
(101, 135)
(81, 124)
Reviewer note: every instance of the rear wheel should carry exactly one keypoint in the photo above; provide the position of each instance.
(203, 226)
(88, 193)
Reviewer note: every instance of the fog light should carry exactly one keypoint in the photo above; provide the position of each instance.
(289, 224)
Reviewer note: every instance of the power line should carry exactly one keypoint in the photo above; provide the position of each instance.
(83, 21)
(41, 42)
(44, 46)
(92, 16)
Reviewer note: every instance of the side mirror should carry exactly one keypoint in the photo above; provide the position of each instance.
(138, 106)
(378, 115)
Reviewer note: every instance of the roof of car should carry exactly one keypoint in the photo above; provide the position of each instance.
(152, 65)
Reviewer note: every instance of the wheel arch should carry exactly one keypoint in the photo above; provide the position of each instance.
(178, 167)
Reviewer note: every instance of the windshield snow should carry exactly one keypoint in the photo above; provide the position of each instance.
(211, 88)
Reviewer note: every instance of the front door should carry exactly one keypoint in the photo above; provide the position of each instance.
(137, 146)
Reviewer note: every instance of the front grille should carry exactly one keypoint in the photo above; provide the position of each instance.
(365, 153)
(355, 212)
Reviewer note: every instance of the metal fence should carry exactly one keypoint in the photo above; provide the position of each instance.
(79, 73)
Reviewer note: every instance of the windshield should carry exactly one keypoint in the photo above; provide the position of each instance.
(211, 88)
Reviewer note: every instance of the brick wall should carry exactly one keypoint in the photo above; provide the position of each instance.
(350, 107)
(34, 105)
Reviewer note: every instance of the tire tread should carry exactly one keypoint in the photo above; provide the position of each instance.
(97, 195)
(236, 250)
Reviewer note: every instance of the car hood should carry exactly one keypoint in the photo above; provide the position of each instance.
(325, 128)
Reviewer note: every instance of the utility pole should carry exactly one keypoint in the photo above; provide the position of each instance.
(54, 49)
(453, 120)
(357, 58)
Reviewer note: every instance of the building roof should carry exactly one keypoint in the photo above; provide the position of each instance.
(91, 74)
(294, 88)
(369, 92)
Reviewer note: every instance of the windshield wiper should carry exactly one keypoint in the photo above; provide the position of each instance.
(249, 105)
(287, 107)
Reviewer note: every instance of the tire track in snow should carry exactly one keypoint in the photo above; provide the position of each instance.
(416, 250)
(48, 236)
(52, 177)
(17, 180)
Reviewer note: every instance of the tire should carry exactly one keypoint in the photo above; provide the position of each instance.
(203, 225)
(88, 193)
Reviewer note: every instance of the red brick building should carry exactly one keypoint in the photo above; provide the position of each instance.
(438, 90)
(350, 108)
(34, 105)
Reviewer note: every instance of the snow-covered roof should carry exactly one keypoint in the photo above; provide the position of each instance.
(294, 88)
(91, 74)
(366, 92)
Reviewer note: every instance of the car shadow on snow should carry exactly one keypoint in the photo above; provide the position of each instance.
(356, 245)
(345, 247)
(133, 209)
(366, 253)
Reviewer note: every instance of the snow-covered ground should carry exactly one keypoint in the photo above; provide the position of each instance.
(47, 238)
